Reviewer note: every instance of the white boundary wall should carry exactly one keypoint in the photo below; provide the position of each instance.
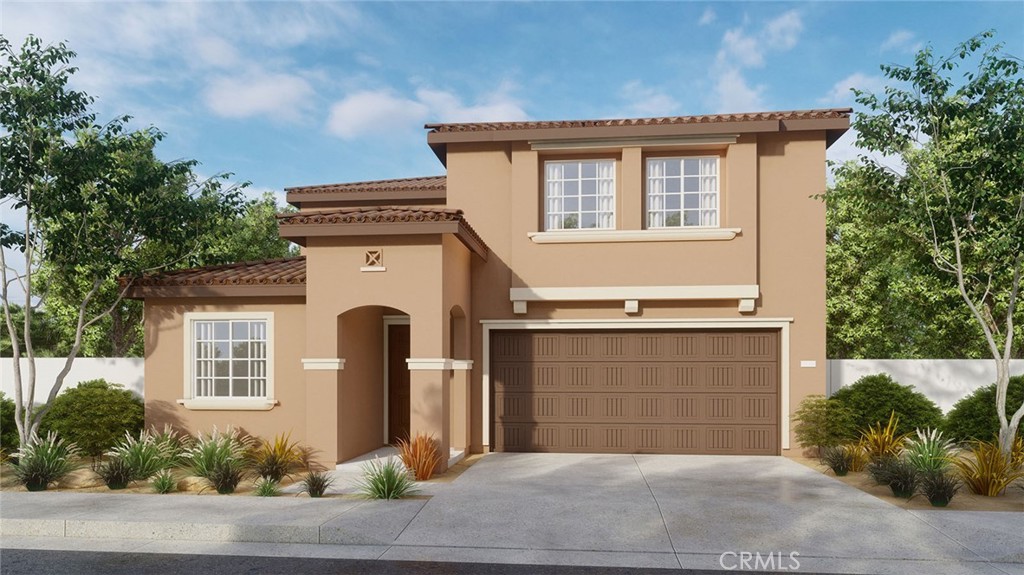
(944, 381)
(127, 371)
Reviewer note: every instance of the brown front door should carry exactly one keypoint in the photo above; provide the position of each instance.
(398, 383)
(636, 392)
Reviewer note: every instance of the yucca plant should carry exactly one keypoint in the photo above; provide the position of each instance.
(985, 470)
(45, 461)
(220, 458)
(316, 483)
(278, 459)
(143, 455)
(882, 442)
(115, 472)
(388, 479)
(420, 455)
(939, 487)
(165, 481)
(929, 452)
(838, 459)
(267, 487)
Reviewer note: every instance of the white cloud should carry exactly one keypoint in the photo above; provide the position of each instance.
(902, 40)
(369, 112)
(217, 52)
(647, 101)
(739, 49)
(278, 95)
(841, 92)
(707, 17)
(783, 32)
(733, 94)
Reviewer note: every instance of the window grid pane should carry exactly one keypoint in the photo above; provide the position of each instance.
(230, 358)
(579, 195)
(682, 192)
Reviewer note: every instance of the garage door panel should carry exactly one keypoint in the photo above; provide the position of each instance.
(645, 392)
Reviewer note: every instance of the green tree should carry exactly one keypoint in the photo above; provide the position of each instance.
(96, 201)
(960, 190)
(47, 338)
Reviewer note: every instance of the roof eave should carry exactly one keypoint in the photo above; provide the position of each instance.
(217, 291)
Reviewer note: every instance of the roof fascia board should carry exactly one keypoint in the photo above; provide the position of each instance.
(598, 143)
(431, 196)
(593, 132)
(255, 290)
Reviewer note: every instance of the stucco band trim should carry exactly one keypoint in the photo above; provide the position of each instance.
(228, 404)
(781, 323)
(323, 364)
(438, 364)
(609, 236)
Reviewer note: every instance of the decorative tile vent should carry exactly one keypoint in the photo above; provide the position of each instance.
(374, 261)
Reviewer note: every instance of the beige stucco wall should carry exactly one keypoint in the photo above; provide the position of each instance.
(766, 189)
(361, 396)
(165, 367)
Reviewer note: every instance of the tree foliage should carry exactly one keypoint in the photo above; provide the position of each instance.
(959, 192)
(97, 205)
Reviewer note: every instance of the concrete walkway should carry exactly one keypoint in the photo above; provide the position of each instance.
(603, 510)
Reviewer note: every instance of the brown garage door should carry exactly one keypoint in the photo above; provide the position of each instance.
(636, 392)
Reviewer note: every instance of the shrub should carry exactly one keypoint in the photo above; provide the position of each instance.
(939, 487)
(879, 470)
(174, 445)
(974, 418)
(873, 397)
(883, 442)
(219, 458)
(929, 451)
(45, 461)
(822, 423)
(901, 477)
(278, 459)
(94, 416)
(8, 428)
(388, 479)
(144, 456)
(838, 459)
(316, 483)
(164, 481)
(115, 472)
(420, 455)
(267, 487)
(859, 458)
(985, 470)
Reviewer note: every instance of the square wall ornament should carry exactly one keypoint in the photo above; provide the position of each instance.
(374, 261)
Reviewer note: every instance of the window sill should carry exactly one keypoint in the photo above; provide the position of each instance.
(609, 236)
(228, 404)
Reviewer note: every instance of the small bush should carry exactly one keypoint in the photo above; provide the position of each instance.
(388, 479)
(873, 397)
(420, 455)
(838, 459)
(883, 442)
(115, 472)
(45, 461)
(225, 477)
(879, 470)
(859, 457)
(974, 418)
(165, 481)
(211, 453)
(822, 423)
(94, 416)
(267, 487)
(278, 459)
(8, 427)
(929, 452)
(985, 470)
(174, 445)
(144, 456)
(316, 483)
(939, 487)
(901, 477)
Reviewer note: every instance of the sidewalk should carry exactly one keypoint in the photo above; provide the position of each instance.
(612, 511)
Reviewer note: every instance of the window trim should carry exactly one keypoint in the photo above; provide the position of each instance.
(681, 226)
(544, 193)
(189, 400)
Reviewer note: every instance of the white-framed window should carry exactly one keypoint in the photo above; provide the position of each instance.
(579, 195)
(229, 362)
(683, 192)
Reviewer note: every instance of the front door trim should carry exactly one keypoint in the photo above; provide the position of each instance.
(780, 323)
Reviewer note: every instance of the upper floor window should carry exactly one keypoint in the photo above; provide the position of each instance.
(230, 358)
(579, 194)
(682, 192)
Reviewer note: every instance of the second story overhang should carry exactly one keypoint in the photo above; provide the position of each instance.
(640, 131)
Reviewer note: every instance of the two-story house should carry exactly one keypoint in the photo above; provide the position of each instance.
(612, 286)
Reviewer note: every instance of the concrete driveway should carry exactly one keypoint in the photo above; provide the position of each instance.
(605, 510)
(688, 510)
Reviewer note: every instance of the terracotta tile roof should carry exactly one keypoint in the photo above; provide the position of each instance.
(707, 119)
(398, 185)
(380, 215)
(284, 271)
